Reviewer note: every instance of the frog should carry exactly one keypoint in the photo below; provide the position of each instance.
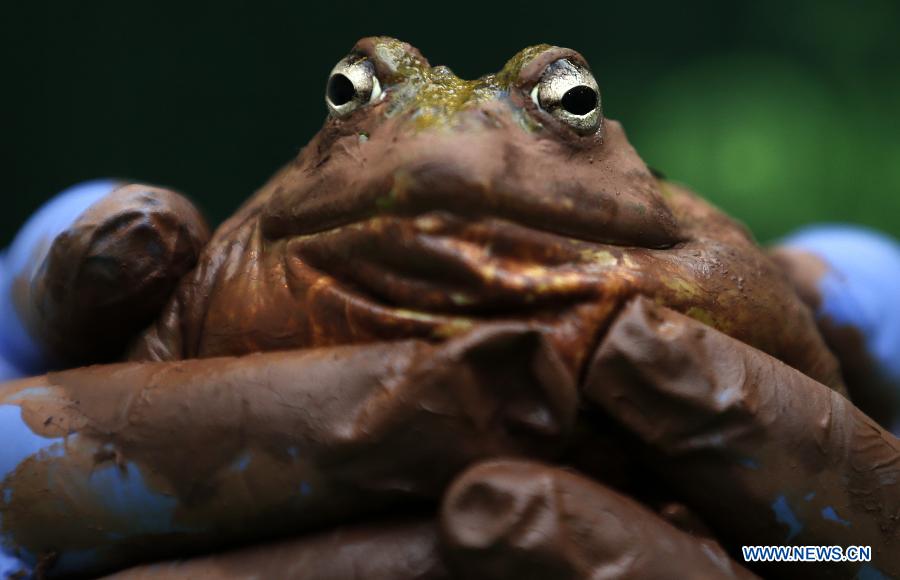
(427, 204)
(493, 228)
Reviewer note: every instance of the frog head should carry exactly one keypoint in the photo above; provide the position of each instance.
(429, 204)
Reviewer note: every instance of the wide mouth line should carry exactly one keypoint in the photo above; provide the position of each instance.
(558, 233)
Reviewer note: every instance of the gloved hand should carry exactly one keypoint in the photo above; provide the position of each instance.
(88, 270)
(178, 457)
(20, 353)
(850, 277)
(117, 452)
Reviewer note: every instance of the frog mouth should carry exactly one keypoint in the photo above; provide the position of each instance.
(441, 263)
(476, 175)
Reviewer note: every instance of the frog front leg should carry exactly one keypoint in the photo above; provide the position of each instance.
(90, 269)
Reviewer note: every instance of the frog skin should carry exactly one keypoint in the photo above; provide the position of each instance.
(454, 230)
(447, 203)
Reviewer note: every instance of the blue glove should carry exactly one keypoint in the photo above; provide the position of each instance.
(861, 291)
(172, 232)
(19, 354)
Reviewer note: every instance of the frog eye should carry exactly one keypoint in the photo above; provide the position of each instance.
(569, 92)
(351, 85)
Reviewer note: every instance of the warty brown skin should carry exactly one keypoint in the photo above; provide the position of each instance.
(425, 232)
(425, 298)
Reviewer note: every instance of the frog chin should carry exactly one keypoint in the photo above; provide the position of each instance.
(437, 275)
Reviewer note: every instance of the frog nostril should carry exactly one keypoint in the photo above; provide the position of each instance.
(340, 89)
(580, 100)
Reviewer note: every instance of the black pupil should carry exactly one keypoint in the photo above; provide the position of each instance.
(580, 100)
(340, 90)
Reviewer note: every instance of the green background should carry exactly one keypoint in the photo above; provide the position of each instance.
(783, 113)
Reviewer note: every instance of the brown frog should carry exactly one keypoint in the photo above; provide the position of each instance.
(430, 277)
(428, 204)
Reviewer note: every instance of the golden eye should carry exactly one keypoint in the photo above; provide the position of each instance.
(351, 85)
(569, 92)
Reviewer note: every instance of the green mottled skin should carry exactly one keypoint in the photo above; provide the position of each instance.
(436, 94)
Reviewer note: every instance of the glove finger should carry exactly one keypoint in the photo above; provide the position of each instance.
(515, 519)
(762, 452)
(402, 551)
(109, 465)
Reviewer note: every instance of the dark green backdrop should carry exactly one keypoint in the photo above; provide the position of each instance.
(782, 114)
